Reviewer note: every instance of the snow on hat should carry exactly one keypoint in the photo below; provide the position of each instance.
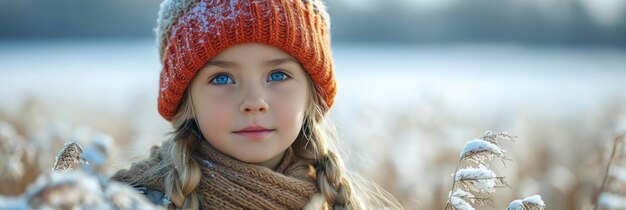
(192, 32)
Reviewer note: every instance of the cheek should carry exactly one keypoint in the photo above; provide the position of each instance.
(212, 112)
(289, 104)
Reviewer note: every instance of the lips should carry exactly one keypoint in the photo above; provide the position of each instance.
(254, 132)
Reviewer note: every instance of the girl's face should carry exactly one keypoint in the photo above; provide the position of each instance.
(249, 102)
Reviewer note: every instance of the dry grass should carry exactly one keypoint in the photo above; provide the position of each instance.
(409, 149)
(612, 193)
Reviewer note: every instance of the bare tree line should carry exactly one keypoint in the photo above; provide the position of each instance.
(392, 21)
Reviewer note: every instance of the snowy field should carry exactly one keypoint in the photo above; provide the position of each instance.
(404, 110)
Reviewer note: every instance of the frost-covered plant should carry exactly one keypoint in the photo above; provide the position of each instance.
(15, 152)
(530, 203)
(72, 156)
(482, 180)
(76, 183)
(79, 190)
(612, 192)
(69, 158)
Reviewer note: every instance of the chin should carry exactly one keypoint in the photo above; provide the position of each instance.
(256, 158)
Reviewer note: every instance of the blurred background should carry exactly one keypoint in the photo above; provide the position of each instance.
(417, 79)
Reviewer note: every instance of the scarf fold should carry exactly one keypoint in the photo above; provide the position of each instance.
(227, 183)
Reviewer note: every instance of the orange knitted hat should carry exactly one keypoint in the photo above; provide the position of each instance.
(192, 32)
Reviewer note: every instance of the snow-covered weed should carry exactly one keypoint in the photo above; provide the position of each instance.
(530, 203)
(75, 183)
(80, 190)
(16, 153)
(69, 158)
(481, 180)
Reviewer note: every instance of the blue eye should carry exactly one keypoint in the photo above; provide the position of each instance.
(277, 76)
(222, 80)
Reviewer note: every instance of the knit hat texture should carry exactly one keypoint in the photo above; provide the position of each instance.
(192, 32)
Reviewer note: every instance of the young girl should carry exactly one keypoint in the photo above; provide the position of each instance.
(246, 85)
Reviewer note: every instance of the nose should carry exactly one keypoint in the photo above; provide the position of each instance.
(254, 104)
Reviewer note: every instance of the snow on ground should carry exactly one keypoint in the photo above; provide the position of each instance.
(112, 72)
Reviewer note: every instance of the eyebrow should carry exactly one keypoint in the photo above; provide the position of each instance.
(273, 62)
(276, 62)
(223, 64)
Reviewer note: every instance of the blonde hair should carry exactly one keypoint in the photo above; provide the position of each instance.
(315, 146)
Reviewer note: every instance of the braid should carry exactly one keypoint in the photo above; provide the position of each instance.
(332, 182)
(185, 176)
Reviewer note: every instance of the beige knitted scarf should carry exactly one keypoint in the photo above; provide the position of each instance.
(228, 183)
